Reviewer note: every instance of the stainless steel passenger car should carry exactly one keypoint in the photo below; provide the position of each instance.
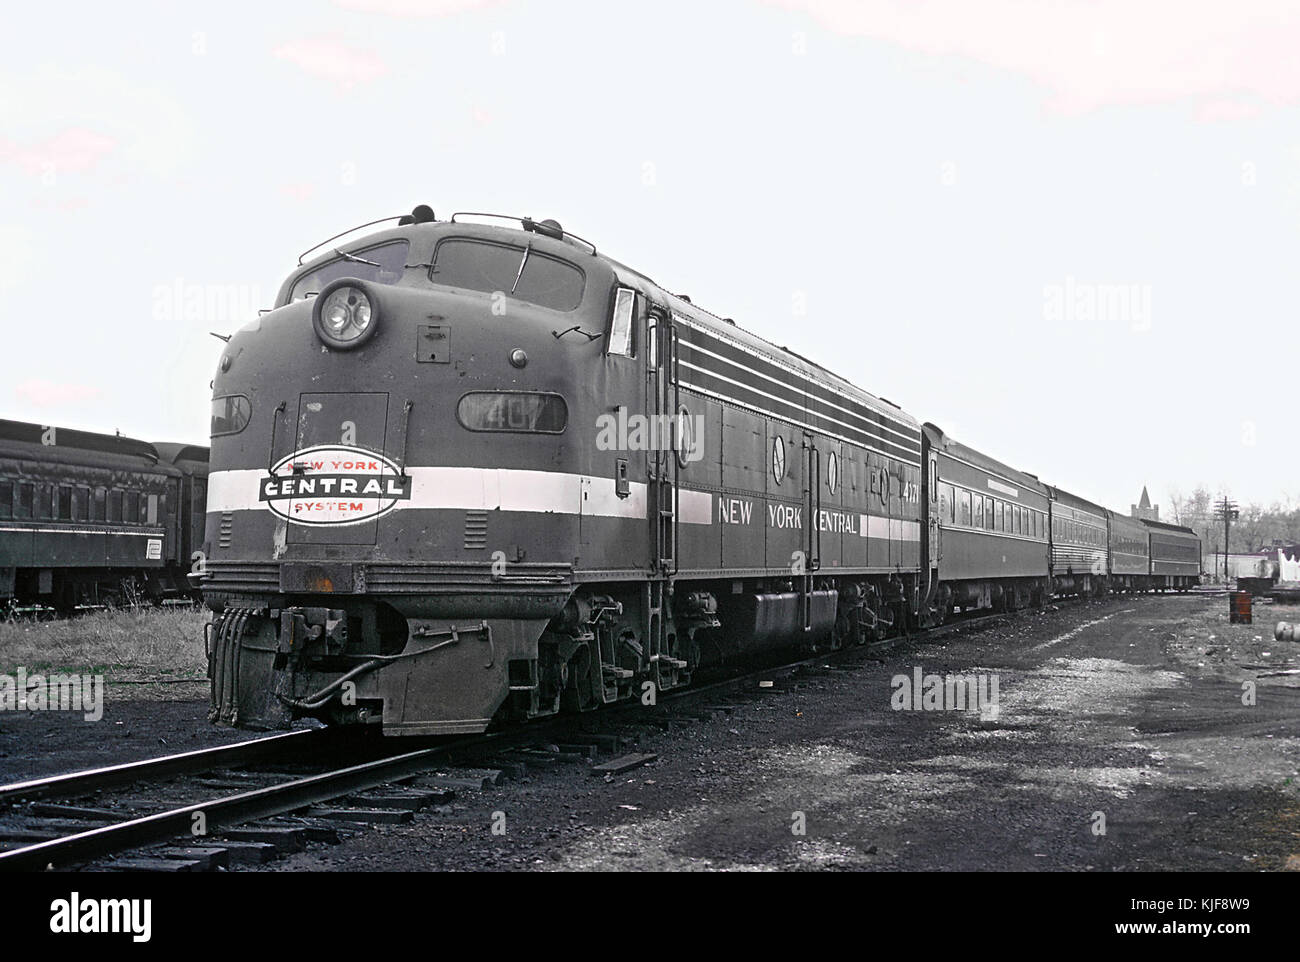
(1130, 553)
(1080, 549)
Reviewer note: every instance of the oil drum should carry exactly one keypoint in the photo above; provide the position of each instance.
(1239, 612)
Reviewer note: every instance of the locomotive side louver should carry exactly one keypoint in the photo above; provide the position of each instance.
(475, 530)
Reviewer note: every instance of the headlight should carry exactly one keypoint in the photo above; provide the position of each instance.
(344, 314)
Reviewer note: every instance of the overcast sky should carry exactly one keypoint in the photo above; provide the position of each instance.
(1065, 232)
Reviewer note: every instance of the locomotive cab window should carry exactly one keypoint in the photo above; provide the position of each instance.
(620, 322)
(230, 414)
(521, 273)
(517, 411)
(382, 264)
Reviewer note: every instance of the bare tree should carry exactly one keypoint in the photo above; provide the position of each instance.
(1176, 504)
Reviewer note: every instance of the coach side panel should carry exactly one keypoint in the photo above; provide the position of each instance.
(988, 527)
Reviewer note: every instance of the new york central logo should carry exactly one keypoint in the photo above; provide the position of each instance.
(334, 485)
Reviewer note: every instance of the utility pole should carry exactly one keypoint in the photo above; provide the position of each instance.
(1227, 510)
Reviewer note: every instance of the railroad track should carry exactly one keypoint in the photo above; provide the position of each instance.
(82, 834)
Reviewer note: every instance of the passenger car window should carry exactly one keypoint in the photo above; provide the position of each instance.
(519, 272)
(388, 262)
(946, 505)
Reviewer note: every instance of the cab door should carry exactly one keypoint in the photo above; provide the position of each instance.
(340, 422)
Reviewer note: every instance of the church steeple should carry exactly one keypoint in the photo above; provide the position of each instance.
(1144, 508)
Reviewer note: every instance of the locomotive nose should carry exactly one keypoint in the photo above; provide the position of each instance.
(338, 478)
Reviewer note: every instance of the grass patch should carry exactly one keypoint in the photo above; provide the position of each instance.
(130, 644)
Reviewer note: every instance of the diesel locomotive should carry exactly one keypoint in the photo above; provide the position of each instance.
(474, 471)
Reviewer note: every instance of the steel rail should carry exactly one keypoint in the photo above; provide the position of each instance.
(224, 812)
(203, 759)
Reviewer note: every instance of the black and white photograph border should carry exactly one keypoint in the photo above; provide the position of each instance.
(780, 436)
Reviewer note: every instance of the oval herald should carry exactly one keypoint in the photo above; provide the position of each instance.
(334, 485)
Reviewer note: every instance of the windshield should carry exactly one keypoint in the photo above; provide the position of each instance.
(386, 262)
(519, 272)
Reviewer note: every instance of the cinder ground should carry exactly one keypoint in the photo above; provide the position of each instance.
(153, 666)
(1129, 711)
(1130, 708)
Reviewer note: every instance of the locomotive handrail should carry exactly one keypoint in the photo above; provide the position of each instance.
(345, 233)
(523, 222)
(677, 461)
(406, 432)
(815, 520)
(275, 423)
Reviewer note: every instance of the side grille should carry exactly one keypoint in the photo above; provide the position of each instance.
(475, 530)
(226, 535)
(263, 577)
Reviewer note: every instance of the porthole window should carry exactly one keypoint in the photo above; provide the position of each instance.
(686, 441)
(832, 472)
(778, 459)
